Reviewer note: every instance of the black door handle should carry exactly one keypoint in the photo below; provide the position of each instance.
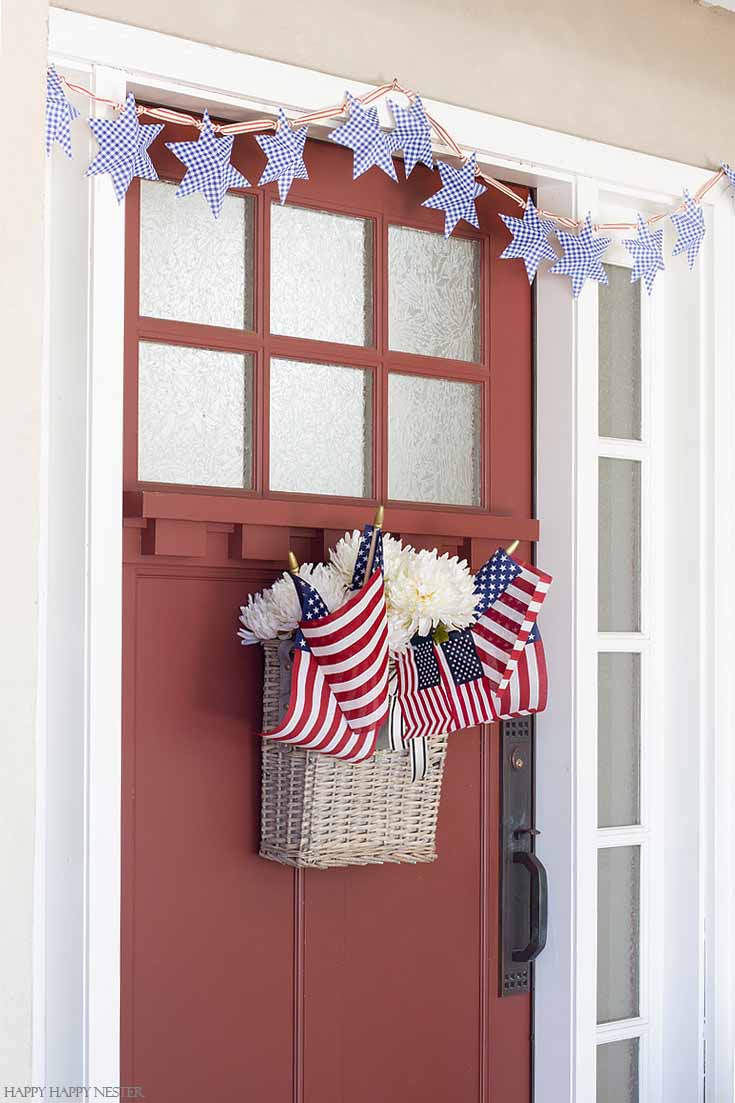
(539, 905)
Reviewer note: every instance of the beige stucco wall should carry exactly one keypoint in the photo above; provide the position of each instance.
(654, 75)
(22, 65)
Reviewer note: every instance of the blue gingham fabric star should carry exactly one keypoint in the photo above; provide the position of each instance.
(647, 251)
(530, 239)
(59, 114)
(208, 166)
(582, 258)
(285, 153)
(457, 195)
(690, 228)
(729, 173)
(412, 135)
(123, 151)
(362, 134)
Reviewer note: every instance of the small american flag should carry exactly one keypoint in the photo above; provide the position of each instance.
(510, 595)
(339, 681)
(467, 688)
(528, 688)
(421, 691)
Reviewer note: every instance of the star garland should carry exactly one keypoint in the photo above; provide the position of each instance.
(123, 155)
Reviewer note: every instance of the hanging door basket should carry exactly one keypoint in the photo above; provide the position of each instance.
(318, 812)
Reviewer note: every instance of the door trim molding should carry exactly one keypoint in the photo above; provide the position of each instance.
(571, 175)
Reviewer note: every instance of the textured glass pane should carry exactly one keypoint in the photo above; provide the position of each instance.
(620, 355)
(321, 275)
(321, 429)
(617, 1072)
(618, 739)
(618, 925)
(433, 440)
(194, 416)
(195, 268)
(619, 546)
(434, 294)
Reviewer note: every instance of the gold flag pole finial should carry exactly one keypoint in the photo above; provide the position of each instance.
(293, 563)
(379, 515)
(512, 547)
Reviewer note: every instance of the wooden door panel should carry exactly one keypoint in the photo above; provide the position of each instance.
(392, 962)
(209, 951)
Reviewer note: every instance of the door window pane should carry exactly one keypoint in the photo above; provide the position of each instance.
(321, 275)
(433, 440)
(620, 355)
(434, 294)
(194, 416)
(195, 268)
(619, 739)
(617, 1072)
(320, 429)
(618, 927)
(619, 545)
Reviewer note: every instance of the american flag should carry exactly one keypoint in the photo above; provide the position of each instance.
(363, 554)
(464, 681)
(509, 595)
(421, 691)
(339, 682)
(528, 688)
(467, 688)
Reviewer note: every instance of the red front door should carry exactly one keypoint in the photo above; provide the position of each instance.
(286, 370)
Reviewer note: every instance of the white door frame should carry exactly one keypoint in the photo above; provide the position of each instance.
(572, 175)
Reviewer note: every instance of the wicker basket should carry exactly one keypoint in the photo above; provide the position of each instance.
(319, 812)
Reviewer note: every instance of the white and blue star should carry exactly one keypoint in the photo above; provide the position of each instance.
(690, 228)
(530, 239)
(582, 258)
(208, 166)
(285, 153)
(412, 135)
(457, 195)
(59, 114)
(362, 134)
(647, 251)
(123, 151)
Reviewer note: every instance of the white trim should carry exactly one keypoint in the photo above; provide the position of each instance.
(573, 175)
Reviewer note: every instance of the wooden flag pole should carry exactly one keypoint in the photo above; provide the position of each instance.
(377, 526)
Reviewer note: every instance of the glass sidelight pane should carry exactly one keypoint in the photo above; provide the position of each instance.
(434, 294)
(320, 429)
(619, 557)
(434, 445)
(618, 930)
(195, 268)
(620, 356)
(194, 416)
(321, 275)
(617, 1072)
(619, 739)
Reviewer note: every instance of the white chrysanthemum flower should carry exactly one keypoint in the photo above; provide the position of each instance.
(275, 613)
(343, 556)
(429, 590)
